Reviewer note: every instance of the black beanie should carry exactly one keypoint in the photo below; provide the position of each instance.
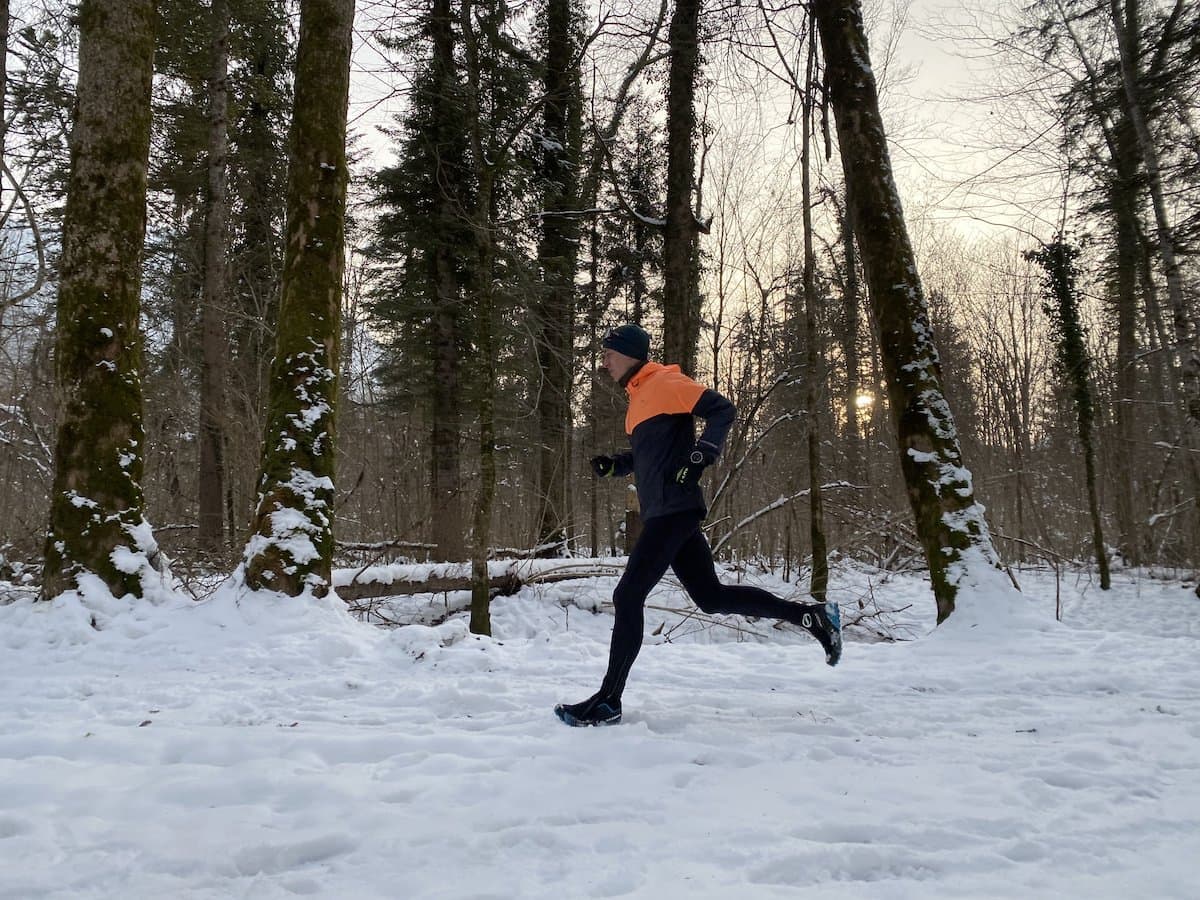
(629, 340)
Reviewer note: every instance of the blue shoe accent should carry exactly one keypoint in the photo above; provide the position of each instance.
(833, 618)
(824, 622)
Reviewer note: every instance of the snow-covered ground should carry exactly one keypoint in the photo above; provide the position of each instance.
(274, 749)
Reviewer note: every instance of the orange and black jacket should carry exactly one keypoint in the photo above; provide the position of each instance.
(662, 435)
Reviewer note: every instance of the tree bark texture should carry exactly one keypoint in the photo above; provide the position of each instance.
(291, 547)
(4, 25)
(949, 522)
(446, 406)
(1124, 205)
(850, 312)
(483, 289)
(259, 179)
(481, 598)
(558, 251)
(681, 276)
(446, 395)
(214, 343)
(1062, 307)
(481, 621)
(96, 523)
(814, 376)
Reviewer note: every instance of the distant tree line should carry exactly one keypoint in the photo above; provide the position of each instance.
(395, 352)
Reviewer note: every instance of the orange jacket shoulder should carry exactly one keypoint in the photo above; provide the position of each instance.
(660, 391)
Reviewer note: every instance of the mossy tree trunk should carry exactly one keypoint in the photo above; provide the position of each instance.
(96, 523)
(1061, 304)
(949, 523)
(291, 547)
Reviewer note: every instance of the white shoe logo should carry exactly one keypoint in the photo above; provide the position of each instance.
(806, 621)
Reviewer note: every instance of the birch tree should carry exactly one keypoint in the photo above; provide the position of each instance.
(96, 520)
(291, 545)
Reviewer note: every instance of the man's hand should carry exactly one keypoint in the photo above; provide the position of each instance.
(604, 466)
(701, 457)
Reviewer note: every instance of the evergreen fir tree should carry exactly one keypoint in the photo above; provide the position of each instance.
(437, 247)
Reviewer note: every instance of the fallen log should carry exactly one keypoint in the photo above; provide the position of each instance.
(502, 584)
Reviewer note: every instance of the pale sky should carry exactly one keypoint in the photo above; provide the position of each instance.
(947, 148)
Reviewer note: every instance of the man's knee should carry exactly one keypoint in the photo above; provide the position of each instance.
(628, 597)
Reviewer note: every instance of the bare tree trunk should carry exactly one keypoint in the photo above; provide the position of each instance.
(681, 289)
(593, 336)
(813, 376)
(558, 252)
(1128, 32)
(96, 523)
(485, 160)
(481, 622)
(214, 344)
(4, 25)
(851, 305)
(1127, 25)
(949, 523)
(446, 501)
(1124, 205)
(291, 545)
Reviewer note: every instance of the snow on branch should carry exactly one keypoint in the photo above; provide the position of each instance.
(778, 504)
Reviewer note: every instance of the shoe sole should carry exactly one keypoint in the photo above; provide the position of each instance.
(571, 720)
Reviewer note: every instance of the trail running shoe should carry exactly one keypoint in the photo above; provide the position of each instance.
(824, 622)
(592, 711)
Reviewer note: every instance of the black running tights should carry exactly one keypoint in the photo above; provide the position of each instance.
(675, 541)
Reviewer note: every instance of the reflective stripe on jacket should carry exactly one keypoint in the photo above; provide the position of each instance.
(662, 433)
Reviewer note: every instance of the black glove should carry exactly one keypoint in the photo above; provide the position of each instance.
(701, 457)
(604, 466)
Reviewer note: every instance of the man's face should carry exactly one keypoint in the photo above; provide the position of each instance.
(616, 364)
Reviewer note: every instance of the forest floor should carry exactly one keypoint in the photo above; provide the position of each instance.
(251, 748)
